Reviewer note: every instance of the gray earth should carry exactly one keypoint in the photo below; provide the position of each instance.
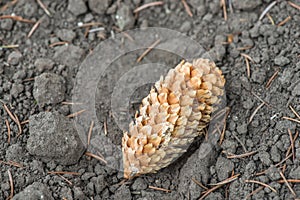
(37, 81)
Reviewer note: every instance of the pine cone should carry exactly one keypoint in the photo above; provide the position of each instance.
(171, 116)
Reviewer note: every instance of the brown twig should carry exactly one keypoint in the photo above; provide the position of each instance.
(285, 21)
(76, 113)
(8, 131)
(260, 183)
(11, 3)
(272, 79)
(95, 156)
(44, 7)
(294, 5)
(187, 8)
(147, 5)
(25, 122)
(289, 181)
(287, 184)
(9, 113)
(271, 19)
(90, 133)
(19, 125)
(291, 119)
(17, 18)
(223, 3)
(11, 185)
(241, 155)
(62, 173)
(232, 178)
(293, 110)
(69, 182)
(12, 163)
(59, 43)
(255, 111)
(147, 51)
(224, 127)
(254, 192)
(292, 143)
(267, 104)
(200, 184)
(160, 189)
(35, 26)
(244, 48)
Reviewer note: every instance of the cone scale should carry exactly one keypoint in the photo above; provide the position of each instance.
(176, 110)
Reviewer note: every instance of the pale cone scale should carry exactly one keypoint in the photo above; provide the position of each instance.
(171, 116)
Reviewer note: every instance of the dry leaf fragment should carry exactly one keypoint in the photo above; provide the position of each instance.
(176, 111)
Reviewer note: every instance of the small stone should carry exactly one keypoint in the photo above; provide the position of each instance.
(100, 183)
(224, 167)
(68, 55)
(16, 89)
(78, 193)
(295, 173)
(281, 61)
(125, 18)
(258, 76)
(66, 34)
(20, 74)
(242, 129)
(245, 5)
(53, 137)
(14, 58)
(296, 90)
(139, 184)
(34, 191)
(265, 158)
(123, 193)
(77, 7)
(99, 6)
(273, 173)
(49, 88)
(30, 8)
(15, 152)
(186, 26)
(43, 64)
(275, 155)
(6, 24)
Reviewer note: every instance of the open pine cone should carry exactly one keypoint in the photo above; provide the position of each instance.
(171, 116)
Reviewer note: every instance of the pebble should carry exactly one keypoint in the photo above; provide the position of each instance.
(258, 76)
(14, 58)
(99, 8)
(123, 193)
(296, 90)
(68, 55)
(43, 64)
(273, 173)
(186, 26)
(245, 4)
(124, 17)
(295, 173)
(53, 137)
(49, 88)
(6, 24)
(281, 60)
(30, 8)
(35, 191)
(265, 158)
(15, 152)
(16, 89)
(66, 34)
(224, 167)
(242, 129)
(20, 74)
(100, 183)
(139, 184)
(77, 7)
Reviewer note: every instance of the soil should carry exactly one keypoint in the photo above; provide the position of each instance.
(40, 75)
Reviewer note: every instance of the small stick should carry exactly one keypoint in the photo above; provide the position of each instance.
(96, 29)
(62, 173)
(17, 18)
(254, 192)
(81, 25)
(12, 163)
(58, 43)
(76, 113)
(9, 113)
(267, 10)
(285, 21)
(35, 26)
(260, 99)
(8, 131)
(95, 156)
(291, 119)
(294, 5)
(44, 7)
(232, 178)
(292, 143)
(248, 66)
(70, 103)
(223, 3)
(147, 5)
(187, 8)
(105, 127)
(289, 181)
(287, 184)
(255, 111)
(271, 79)
(25, 122)
(69, 182)
(263, 172)
(200, 184)
(160, 189)
(148, 50)
(260, 183)
(244, 48)
(90, 132)
(9, 46)
(3, 8)
(11, 185)
(242, 144)
(293, 110)
(271, 19)
(241, 155)
(19, 125)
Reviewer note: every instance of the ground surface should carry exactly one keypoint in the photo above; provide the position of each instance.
(255, 122)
